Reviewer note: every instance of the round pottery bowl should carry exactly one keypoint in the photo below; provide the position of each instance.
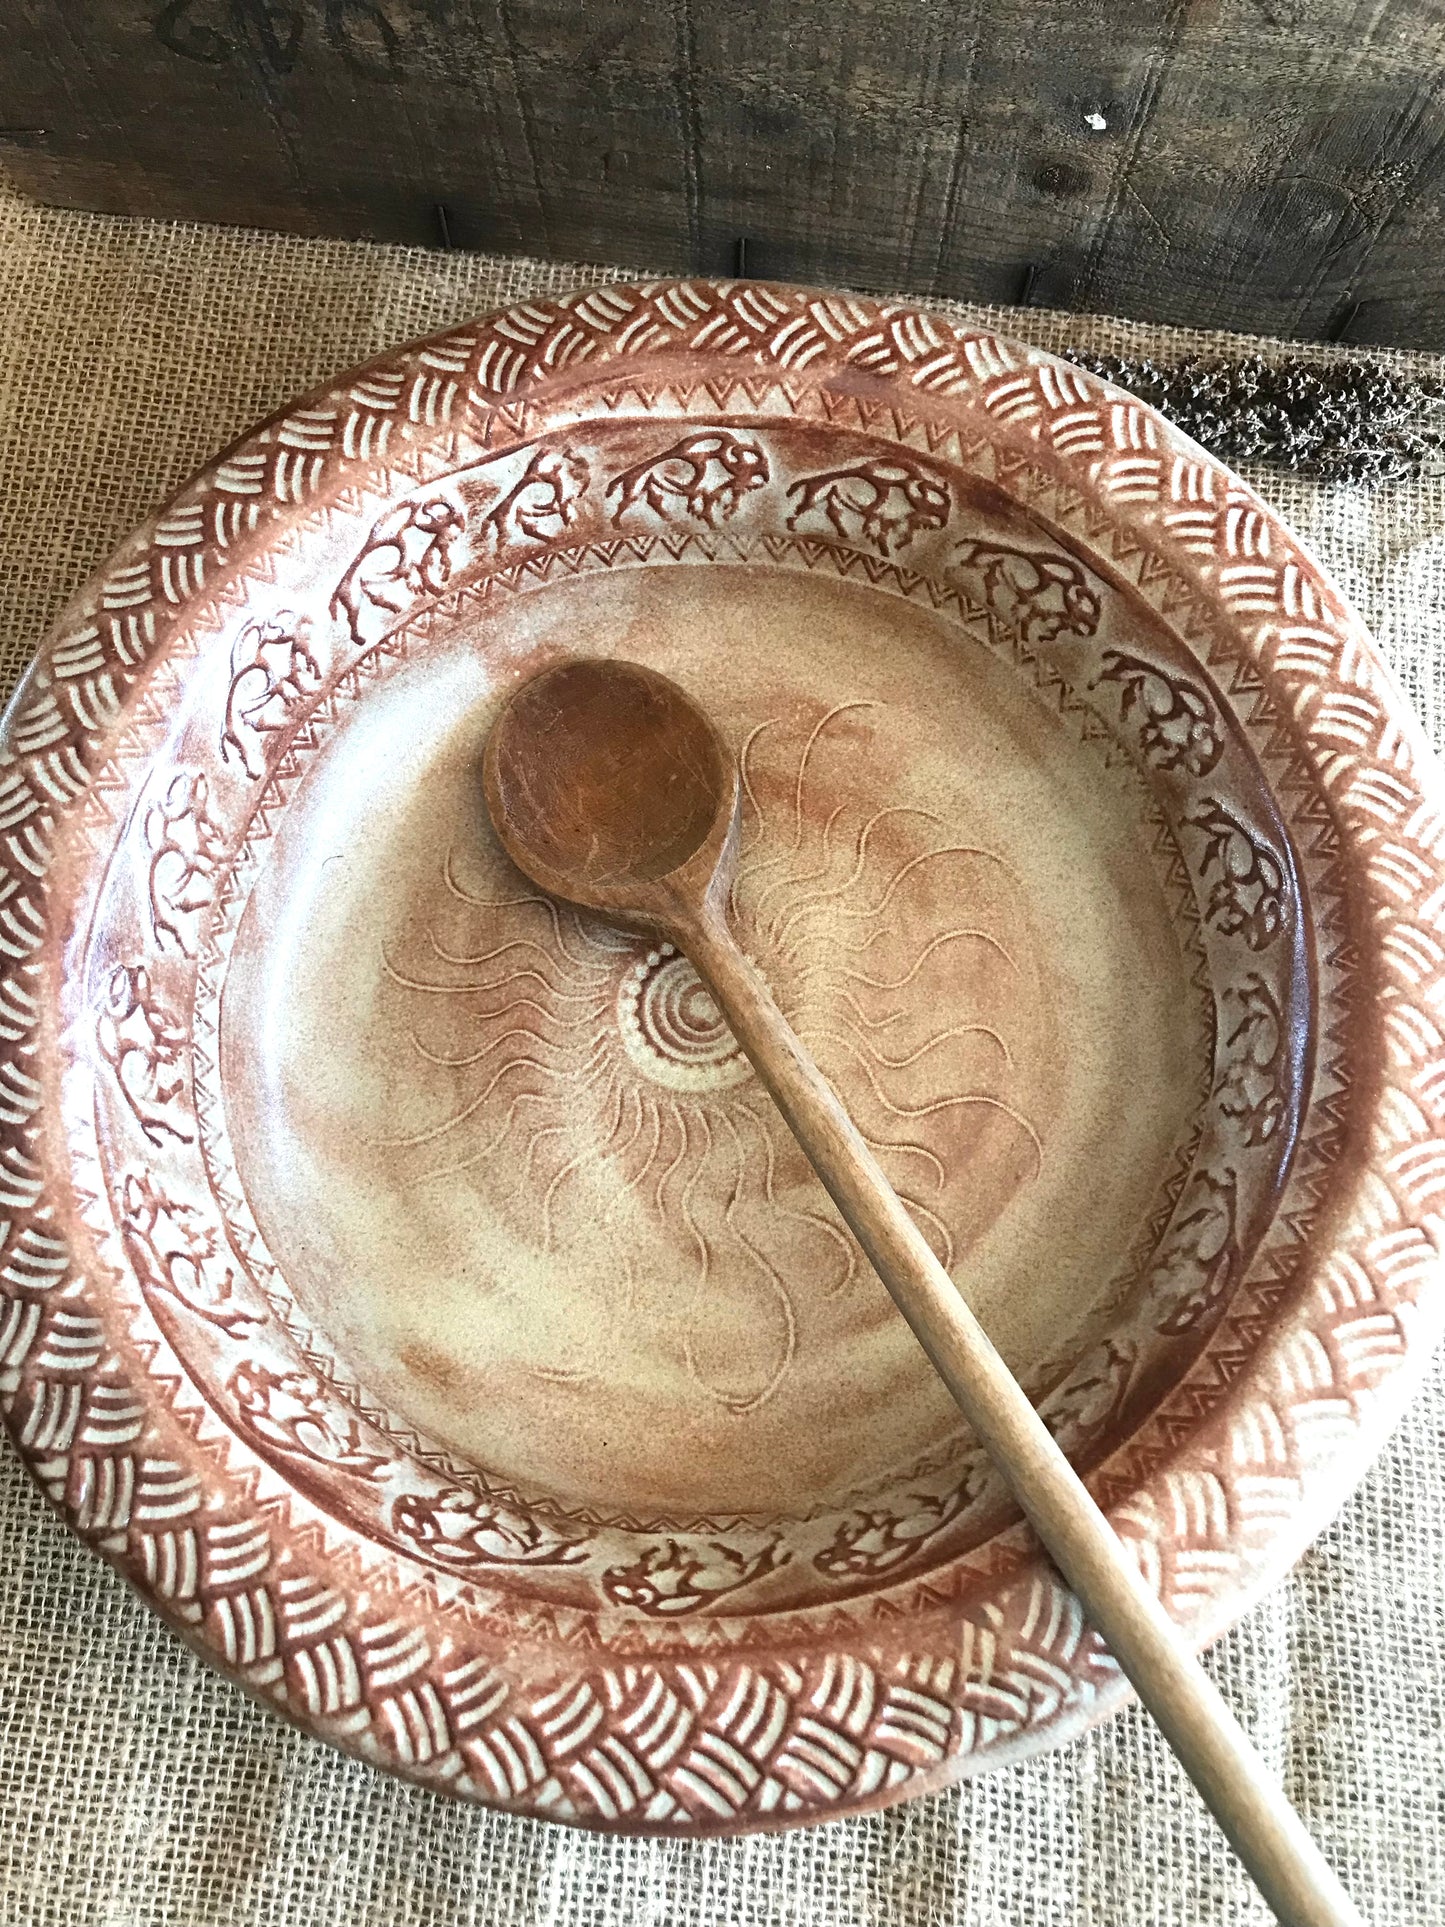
(407, 1283)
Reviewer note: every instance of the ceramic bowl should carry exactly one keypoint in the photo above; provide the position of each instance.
(406, 1281)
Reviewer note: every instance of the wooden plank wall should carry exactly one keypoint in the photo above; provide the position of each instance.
(1275, 165)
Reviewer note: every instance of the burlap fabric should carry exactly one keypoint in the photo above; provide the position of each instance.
(137, 1789)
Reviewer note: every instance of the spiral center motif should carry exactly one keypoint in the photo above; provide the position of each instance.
(671, 1028)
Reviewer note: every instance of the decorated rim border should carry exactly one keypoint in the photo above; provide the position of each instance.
(1260, 1443)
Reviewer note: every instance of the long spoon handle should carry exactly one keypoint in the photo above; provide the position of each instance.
(1264, 1828)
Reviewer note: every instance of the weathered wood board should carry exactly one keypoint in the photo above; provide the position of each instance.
(1276, 165)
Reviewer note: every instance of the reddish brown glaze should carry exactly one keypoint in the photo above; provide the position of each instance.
(407, 1285)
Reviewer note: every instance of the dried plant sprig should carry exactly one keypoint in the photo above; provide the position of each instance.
(1345, 421)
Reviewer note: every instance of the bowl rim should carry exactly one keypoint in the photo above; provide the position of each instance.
(1338, 1348)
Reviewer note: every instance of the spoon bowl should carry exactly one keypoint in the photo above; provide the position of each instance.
(610, 788)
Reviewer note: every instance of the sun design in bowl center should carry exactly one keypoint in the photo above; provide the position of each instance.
(671, 1028)
(594, 1106)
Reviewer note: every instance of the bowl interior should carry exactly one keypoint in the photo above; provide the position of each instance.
(551, 1294)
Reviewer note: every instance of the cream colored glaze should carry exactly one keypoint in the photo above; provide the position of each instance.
(561, 1258)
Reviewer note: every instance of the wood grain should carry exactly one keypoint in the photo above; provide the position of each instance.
(1262, 164)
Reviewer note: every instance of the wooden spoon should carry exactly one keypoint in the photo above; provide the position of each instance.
(611, 789)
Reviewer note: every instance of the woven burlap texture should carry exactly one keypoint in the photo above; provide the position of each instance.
(138, 1789)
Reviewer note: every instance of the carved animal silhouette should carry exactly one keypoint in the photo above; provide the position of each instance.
(188, 845)
(544, 502)
(289, 1411)
(1041, 594)
(669, 1580)
(876, 1541)
(175, 1252)
(1179, 729)
(703, 475)
(1247, 898)
(1201, 1257)
(272, 670)
(148, 1053)
(1093, 1400)
(888, 500)
(408, 554)
(462, 1529)
(1253, 1087)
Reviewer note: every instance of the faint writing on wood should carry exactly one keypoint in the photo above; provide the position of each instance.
(274, 34)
